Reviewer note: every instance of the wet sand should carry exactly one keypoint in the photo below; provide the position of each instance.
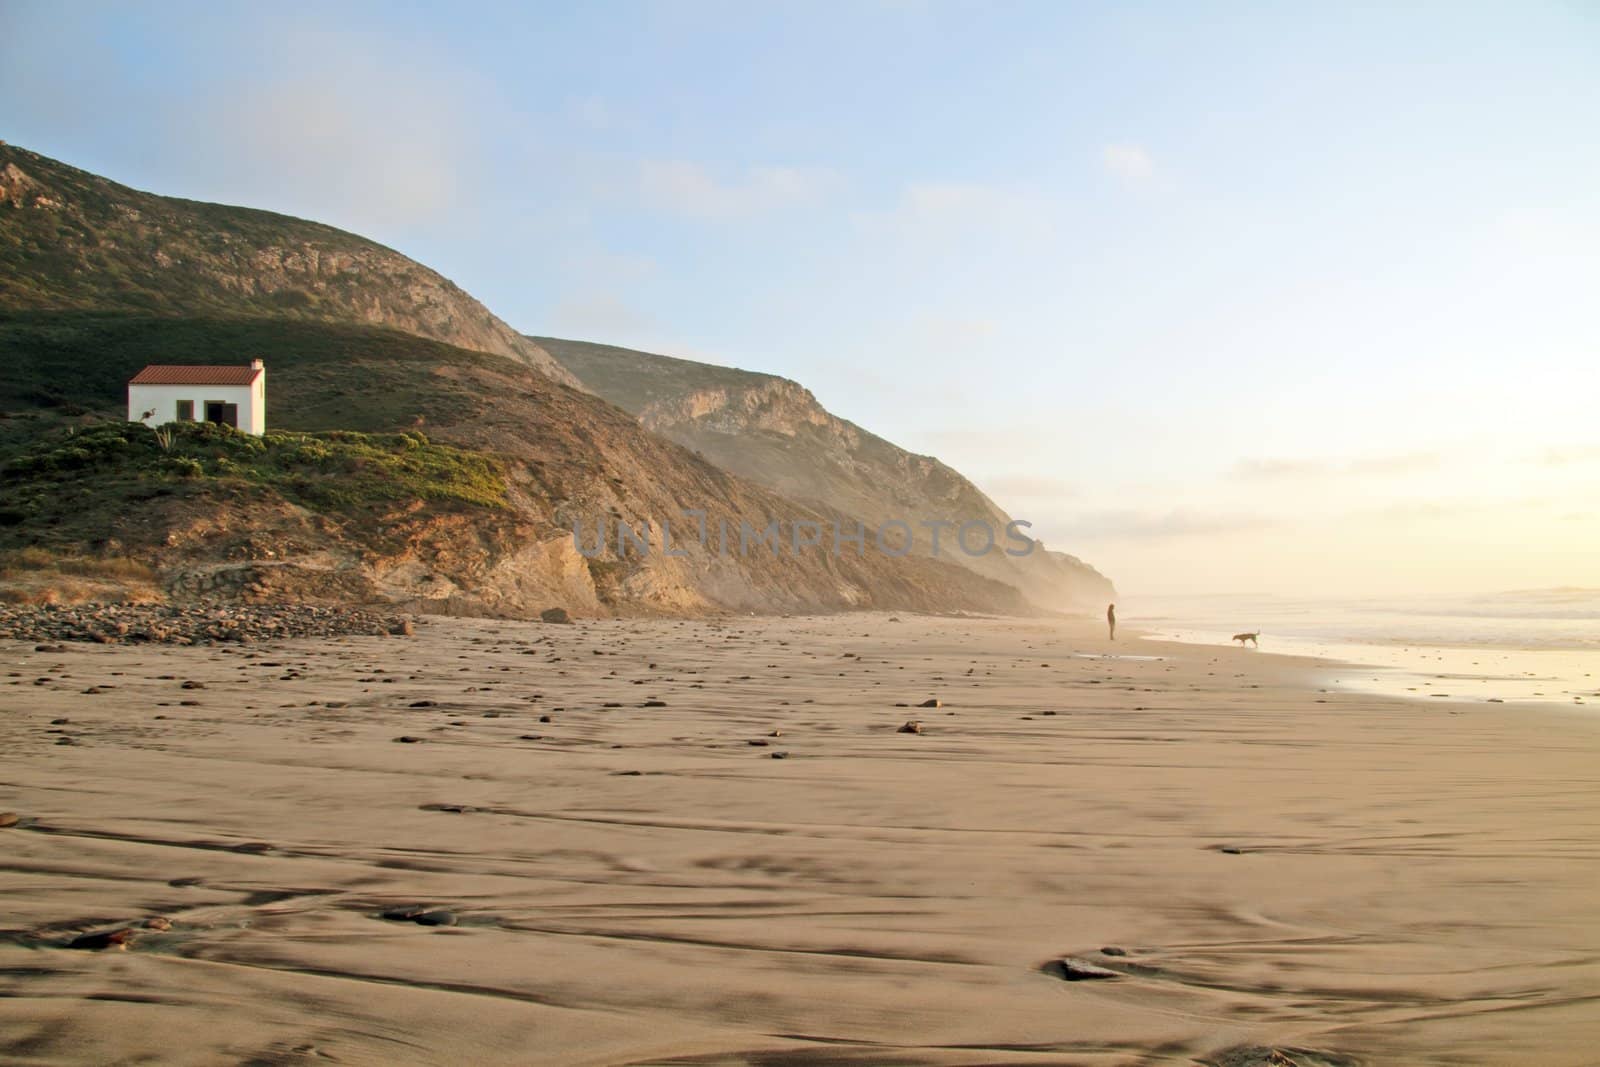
(638, 881)
(1467, 674)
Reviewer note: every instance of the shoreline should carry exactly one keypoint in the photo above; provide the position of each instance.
(1541, 677)
(638, 880)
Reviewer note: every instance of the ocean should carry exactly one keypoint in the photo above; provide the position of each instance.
(1527, 646)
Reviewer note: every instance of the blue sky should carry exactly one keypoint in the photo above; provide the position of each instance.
(1230, 296)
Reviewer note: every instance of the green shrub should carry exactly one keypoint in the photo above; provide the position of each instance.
(114, 464)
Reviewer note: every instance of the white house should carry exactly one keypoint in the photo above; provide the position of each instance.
(235, 396)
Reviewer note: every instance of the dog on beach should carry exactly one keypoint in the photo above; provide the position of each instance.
(1254, 639)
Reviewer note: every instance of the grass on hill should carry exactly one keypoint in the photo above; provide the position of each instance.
(98, 472)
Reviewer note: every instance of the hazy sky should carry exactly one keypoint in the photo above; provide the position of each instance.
(1223, 297)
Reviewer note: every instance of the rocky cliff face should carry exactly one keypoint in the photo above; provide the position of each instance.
(774, 432)
(71, 239)
(569, 459)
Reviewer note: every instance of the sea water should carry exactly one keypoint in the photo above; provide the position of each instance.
(1540, 645)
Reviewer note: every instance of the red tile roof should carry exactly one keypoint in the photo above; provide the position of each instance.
(170, 374)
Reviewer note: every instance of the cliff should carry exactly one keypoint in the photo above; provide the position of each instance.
(774, 432)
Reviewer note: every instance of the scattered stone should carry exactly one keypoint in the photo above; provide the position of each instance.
(435, 918)
(193, 685)
(912, 727)
(424, 704)
(546, 718)
(59, 722)
(1231, 850)
(158, 922)
(1113, 950)
(1072, 969)
(99, 942)
(9, 818)
(780, 755)
(402, 628)
(654, 704)
(420, 915)
(180, 625)
(931, 702)
(407, 739)
(558, 615)
(757, 744)
(1265, 1056)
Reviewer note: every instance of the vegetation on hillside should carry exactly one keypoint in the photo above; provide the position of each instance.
(78, 476)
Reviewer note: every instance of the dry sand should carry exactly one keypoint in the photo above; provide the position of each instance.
(1408, 882)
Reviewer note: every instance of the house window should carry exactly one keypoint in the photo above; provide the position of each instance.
(222, 413)
(186, 411)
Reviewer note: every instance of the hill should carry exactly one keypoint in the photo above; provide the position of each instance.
(74, 240)
(774, 432)
(475, 515)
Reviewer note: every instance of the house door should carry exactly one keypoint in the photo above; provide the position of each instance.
(226, 414)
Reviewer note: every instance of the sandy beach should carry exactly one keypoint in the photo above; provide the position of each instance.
(1259, 864)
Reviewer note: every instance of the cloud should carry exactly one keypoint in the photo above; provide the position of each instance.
(1273, 469)
(595, 266)
(357, 130)
(947, 209)
(599, 315)
(1568, 454)
(592, 112)
(683, 188)
(319, 144)
(1028, 486)
(1252, 469)
(1129, 162)
(1147, 525)
(1402, 463)
(947, 330)
(1408, 510)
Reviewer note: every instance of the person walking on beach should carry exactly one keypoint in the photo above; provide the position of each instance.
(1111, 619)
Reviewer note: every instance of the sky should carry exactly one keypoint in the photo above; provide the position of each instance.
(1221, 297)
